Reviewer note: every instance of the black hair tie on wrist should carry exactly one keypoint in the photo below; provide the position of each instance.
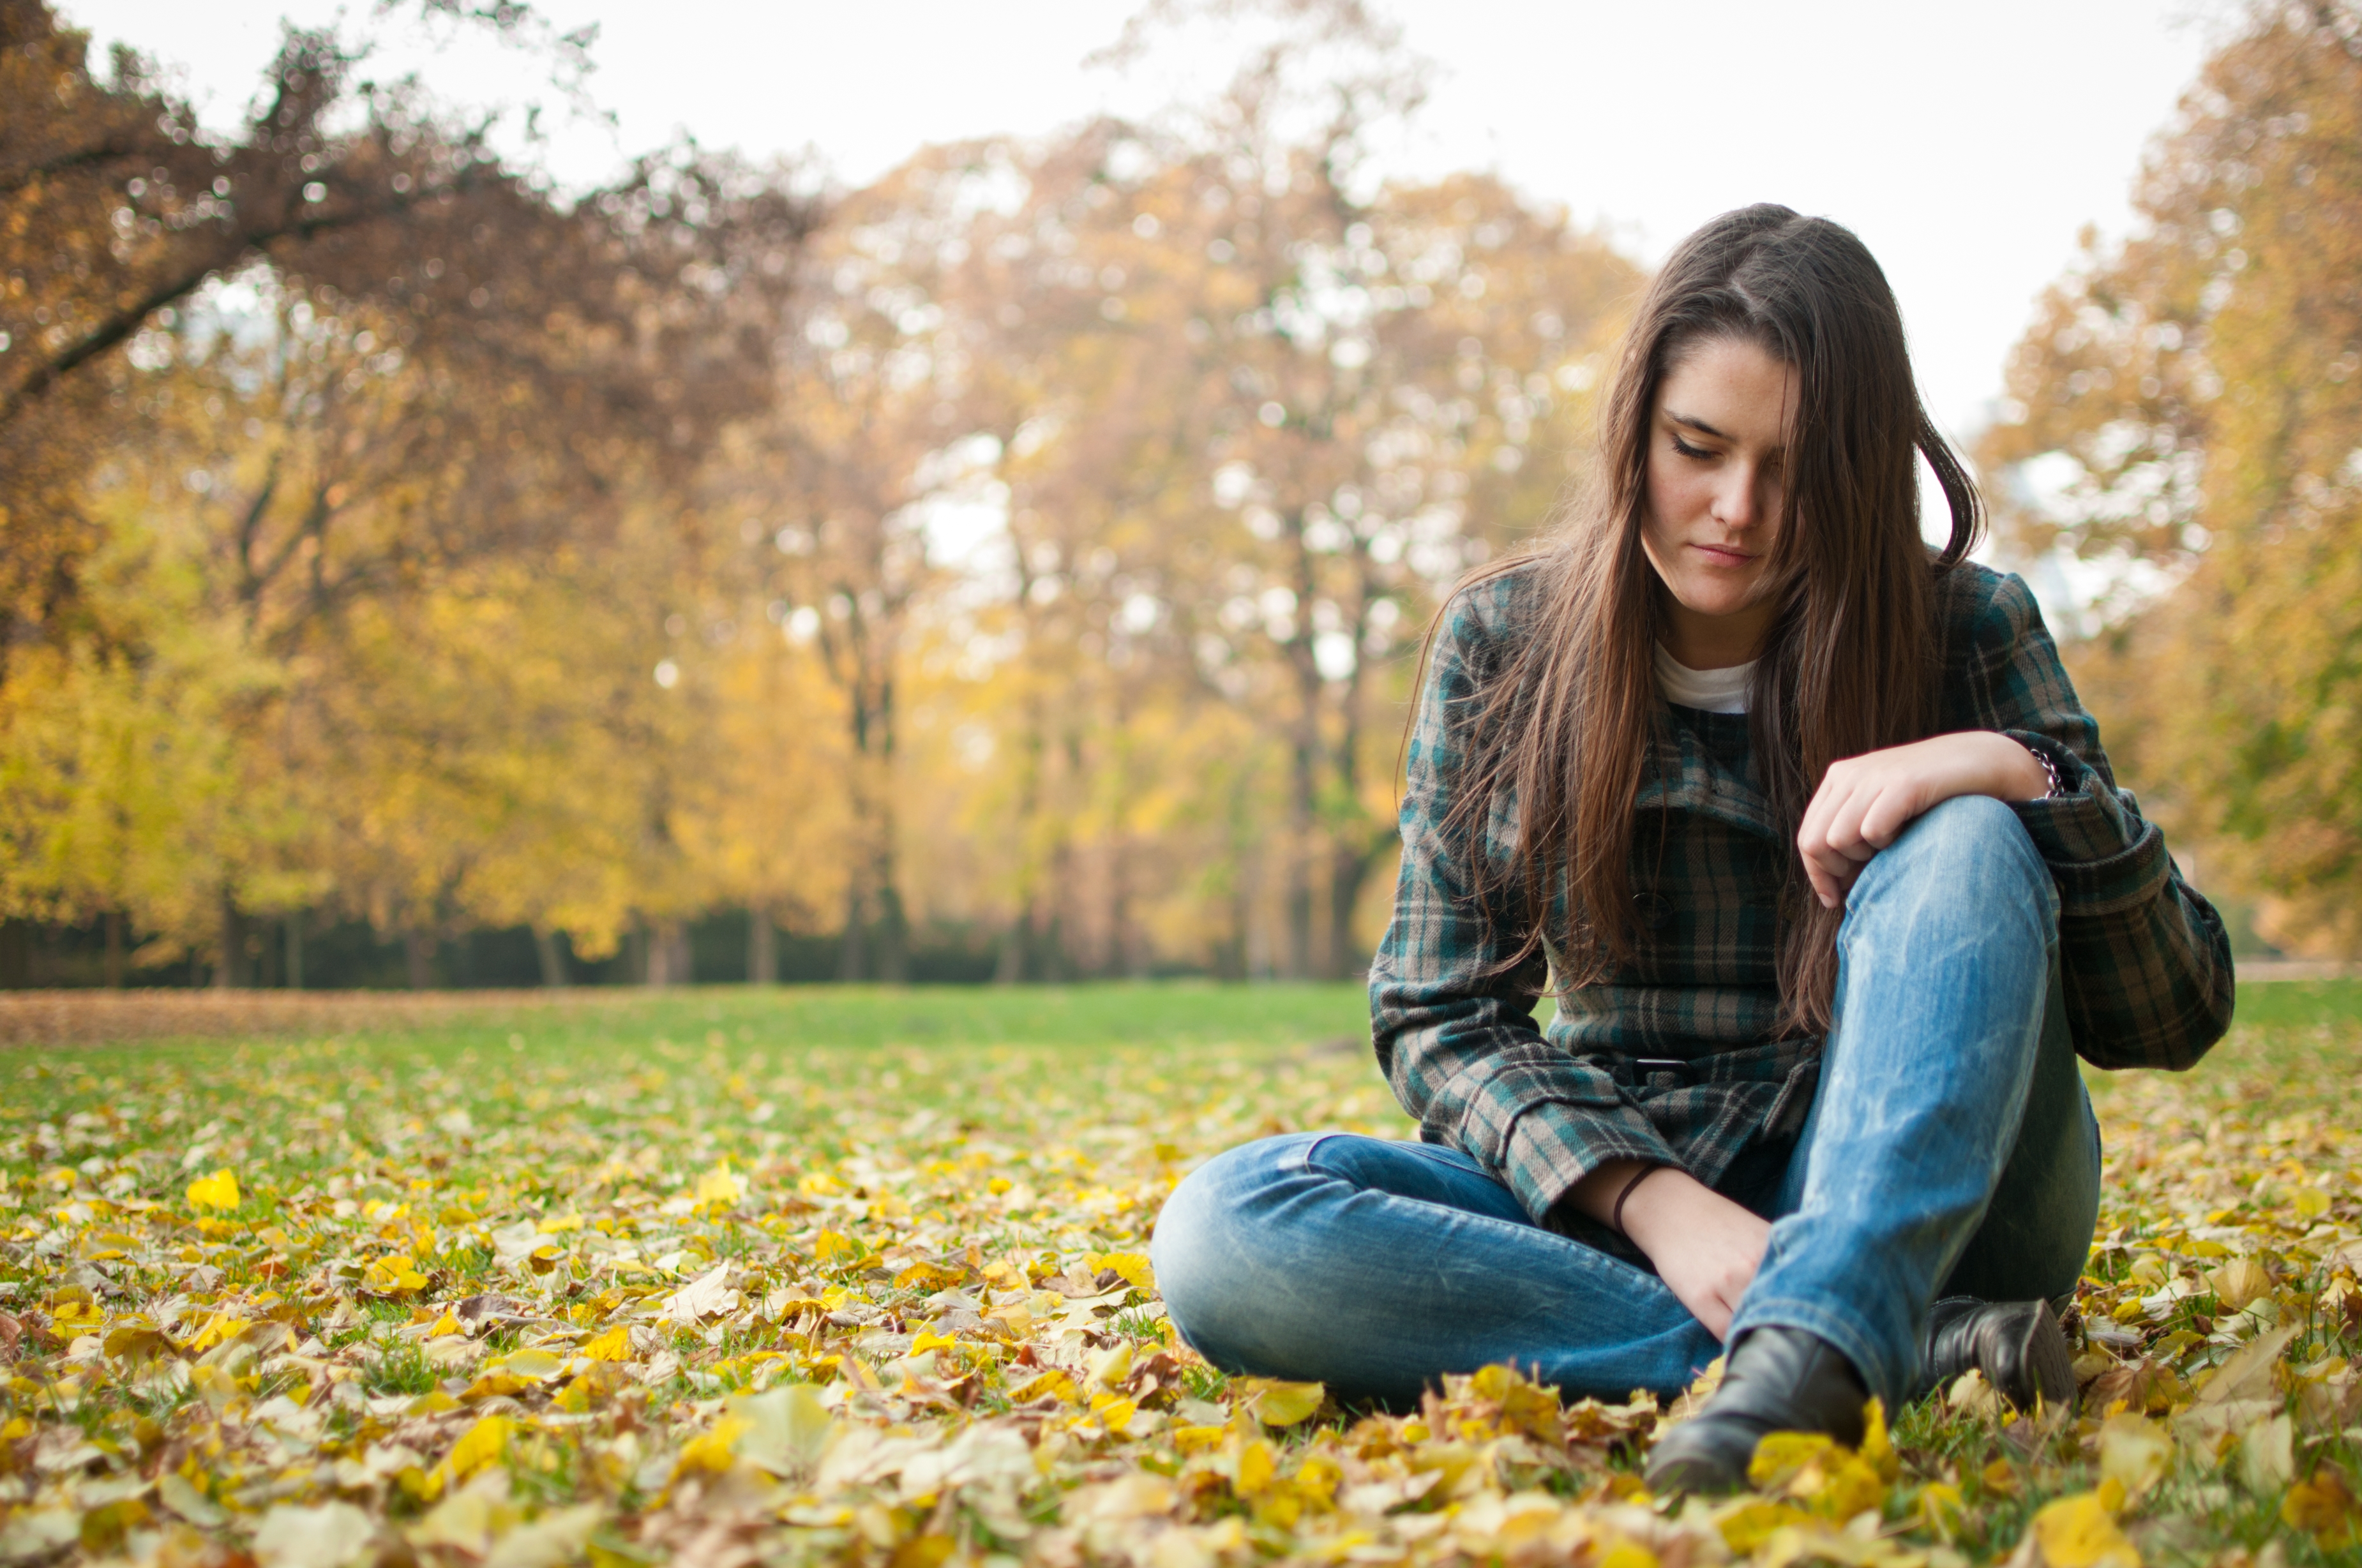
(1615, 1218)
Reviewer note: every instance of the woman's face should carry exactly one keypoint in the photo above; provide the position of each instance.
(1718, 450)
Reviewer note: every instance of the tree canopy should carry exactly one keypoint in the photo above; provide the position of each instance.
(2184, 413)
(1029, 545)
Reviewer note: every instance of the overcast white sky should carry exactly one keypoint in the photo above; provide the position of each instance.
(1967, 144)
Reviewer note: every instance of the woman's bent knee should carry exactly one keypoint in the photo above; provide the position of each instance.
(1967, 851)
(1202, 1248)
(1974, 828)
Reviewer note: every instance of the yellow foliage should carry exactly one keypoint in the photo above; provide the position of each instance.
(1053, 1382)
(2080, 1532)
(480, 1445)
(615, 1344)
(720, 1185)
(218, 1190)
(2134, 1452)
(1131, 1265)
(2324, 1509)
(711, 1450)
(2239, 1283)
(1281, 1404)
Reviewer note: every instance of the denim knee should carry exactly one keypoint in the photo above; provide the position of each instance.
(1971, 847)
(1196, 1250)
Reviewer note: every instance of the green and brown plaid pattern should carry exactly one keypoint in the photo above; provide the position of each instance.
(1674, 1059)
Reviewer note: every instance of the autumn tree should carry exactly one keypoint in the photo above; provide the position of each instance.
(1258, 405)
(424, 368)
(2184, 413)
(1031, 544)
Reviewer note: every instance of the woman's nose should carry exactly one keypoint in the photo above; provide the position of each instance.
(1734, 507)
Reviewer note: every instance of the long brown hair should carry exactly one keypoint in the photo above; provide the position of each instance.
(1851, 662)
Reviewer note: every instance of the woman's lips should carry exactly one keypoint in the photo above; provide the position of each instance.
(1722, 556)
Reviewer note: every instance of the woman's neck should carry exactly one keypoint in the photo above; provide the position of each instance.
(1713, 641)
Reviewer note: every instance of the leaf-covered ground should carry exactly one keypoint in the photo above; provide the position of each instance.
(847, 1278)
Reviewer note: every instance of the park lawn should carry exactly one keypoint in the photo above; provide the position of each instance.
(848, 1276)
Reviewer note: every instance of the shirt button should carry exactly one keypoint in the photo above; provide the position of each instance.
(1655, 909)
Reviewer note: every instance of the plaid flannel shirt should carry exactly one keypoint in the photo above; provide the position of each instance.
(1676, 1057)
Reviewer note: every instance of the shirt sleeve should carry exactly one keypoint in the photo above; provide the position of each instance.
(2144, 958)
(1452, 1021)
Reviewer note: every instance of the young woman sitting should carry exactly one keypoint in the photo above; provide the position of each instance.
(1802, 823)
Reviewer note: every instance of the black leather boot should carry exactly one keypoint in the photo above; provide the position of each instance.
(1776, 1380)
(2018, 1345)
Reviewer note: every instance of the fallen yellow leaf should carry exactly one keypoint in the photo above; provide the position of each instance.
(711, 1450)
(1131, 1266)
(615, 1344)
(1279, 1404)
(218, 1190)
(2238, 1284)
(1053, 1382)
(2324, 1509)
(2080, 1532)
(720, 1185)
(2134, 1452)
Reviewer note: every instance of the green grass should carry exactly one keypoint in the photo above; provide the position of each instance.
(2305, 1005)
(900, 1104)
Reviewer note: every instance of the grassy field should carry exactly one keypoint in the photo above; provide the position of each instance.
(842, 1276)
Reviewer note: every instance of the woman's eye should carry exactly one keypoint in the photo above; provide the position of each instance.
(1687, 450)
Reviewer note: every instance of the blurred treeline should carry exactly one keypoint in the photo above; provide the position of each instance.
(2183, 433)
(1013, 568)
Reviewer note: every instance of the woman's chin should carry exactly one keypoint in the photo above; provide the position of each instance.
(1719, 603)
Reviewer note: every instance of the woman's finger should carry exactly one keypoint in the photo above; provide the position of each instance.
(1894, 810)
(1845, 836)
(1828, 808)
(1827, 878)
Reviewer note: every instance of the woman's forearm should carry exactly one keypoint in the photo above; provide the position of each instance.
(1705, 1247)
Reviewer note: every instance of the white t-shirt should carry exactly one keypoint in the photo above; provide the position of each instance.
(1716, 691)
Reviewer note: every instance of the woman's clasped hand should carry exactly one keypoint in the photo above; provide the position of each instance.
(1863, 802)
(1705, 1247)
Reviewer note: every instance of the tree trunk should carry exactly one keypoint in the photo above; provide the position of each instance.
(1349, 870)
(296, 950)
(1303, 819)
(1009, 965)
(1124, 958)
(852, 960)
(1299, 895)
(229, 974)
(762, 946)
(893, 924)
(1017, 940)
(114, 949)
(668, 962)
(893, 933)
(553, 957)
(418, 956)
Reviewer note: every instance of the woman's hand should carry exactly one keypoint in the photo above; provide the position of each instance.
(1705, 1247)
(1864, 802)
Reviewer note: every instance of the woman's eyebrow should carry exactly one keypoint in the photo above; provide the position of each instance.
(1696, 425)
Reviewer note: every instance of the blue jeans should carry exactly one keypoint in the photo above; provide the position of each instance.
(1950, 1149)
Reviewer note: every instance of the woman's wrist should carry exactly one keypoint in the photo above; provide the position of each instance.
(1986, 762)
(2026, 776)
(1606, 1192)
(1654, 1201)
